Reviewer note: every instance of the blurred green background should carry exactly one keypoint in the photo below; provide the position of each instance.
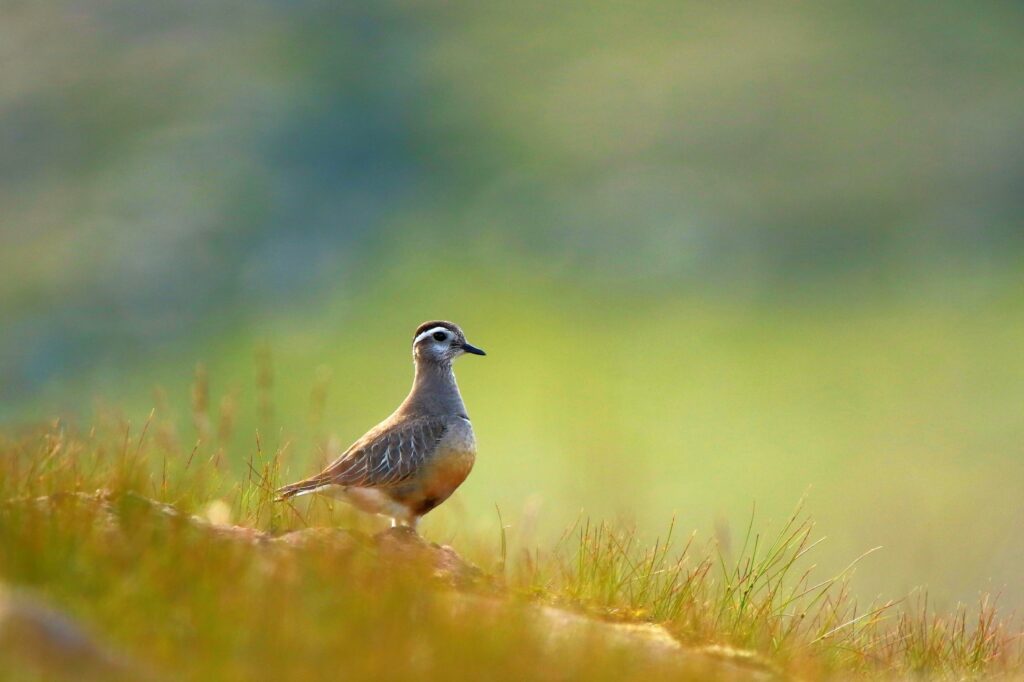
(720, 254)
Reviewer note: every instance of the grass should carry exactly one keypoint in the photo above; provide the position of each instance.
(193, 605)
(898, 413)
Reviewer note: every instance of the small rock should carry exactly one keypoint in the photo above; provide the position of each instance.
(645, 644)
(404, 546)
(40, 640)
(335, 538)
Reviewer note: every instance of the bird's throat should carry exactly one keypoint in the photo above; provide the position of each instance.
(434, 390)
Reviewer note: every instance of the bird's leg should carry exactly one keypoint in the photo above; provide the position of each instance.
(407, 522)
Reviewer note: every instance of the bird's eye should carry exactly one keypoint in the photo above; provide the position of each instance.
(440, 336)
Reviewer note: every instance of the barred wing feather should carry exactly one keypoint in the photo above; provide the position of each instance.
(385, 457)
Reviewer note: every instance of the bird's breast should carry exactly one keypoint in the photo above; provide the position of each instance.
(459, 436)
(447, 468)
(455, 454)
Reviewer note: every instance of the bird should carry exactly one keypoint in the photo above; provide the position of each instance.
(415, 459)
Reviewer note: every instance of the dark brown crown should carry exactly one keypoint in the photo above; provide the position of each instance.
(450, 326)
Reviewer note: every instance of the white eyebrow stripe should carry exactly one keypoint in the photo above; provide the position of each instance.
(429, 332)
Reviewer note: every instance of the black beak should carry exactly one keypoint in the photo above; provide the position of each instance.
(469, 348)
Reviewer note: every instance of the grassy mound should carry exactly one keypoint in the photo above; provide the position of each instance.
(195, 572)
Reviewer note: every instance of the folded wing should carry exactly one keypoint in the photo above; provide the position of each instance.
(386, 456)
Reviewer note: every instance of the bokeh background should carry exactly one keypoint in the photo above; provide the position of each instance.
(720, 254)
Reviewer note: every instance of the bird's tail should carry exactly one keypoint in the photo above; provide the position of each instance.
(304, 487)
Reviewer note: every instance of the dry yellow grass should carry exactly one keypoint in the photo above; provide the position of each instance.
(99, 524)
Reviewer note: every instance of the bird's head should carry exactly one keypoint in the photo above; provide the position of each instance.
(440, 342)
